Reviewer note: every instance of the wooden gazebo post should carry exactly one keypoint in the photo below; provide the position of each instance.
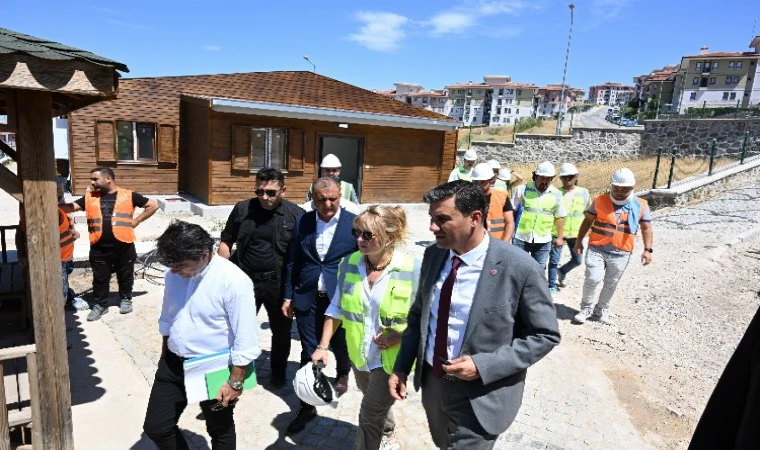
(41, 80)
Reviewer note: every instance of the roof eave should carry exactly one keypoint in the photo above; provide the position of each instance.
(329, 115)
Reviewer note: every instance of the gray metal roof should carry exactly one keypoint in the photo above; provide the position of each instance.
(12, 42)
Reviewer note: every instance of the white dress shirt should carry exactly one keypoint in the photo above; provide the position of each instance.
(518, 198)
(462, 295)
(211, 312)
(371, 298)
(325, 233)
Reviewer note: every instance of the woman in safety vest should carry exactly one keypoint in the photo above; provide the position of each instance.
(376, 287)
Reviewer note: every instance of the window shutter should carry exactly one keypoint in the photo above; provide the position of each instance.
(296, 144)
(241, 148)
(167, 144)
(105, 141)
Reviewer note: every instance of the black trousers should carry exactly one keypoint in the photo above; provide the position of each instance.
(119, 259)
(310, 326)
(268, 293)
(167, 402)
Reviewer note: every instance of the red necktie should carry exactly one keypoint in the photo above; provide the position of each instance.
(440, 351)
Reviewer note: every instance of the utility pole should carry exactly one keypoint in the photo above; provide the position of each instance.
(564, 74)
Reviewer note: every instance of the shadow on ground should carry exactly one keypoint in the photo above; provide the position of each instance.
(565, 312)
(82, 374)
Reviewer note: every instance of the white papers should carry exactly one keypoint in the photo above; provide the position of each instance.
(195, 374)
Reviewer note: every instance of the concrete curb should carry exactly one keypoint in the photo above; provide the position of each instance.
(749, 235)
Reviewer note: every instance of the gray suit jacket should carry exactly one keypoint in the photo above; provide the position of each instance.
(512, 325)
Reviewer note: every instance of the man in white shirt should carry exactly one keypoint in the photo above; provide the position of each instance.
(208, 307)
(319, 241)
(481, 317)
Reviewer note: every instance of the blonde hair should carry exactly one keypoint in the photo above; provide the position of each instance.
(388, 223)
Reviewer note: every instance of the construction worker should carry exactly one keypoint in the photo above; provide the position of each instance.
(542, 208)
(111, 224)
(330, 167)
(500, 220)
(498, 184)
(577, 201)
(614, 219)
(464, 172)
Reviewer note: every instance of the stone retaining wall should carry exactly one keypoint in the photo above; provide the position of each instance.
(694, 137)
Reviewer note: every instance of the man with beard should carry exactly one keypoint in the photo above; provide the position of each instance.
(110, 224)
(614, 219)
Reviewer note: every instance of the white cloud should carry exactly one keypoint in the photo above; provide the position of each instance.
(127, 24)
(606, 10)
(492, 7)
(451, 22)
(381, 31)
(211, 48)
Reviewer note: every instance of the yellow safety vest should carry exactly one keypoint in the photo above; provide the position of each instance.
(464, 174)
(394, 307)
(576, 202)
(500, 185)
(538, 210)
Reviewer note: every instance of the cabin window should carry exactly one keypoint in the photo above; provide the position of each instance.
(269, 148)
(136, 141)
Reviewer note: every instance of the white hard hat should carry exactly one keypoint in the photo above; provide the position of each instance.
(545, 169)
(504, 175)
(330, 162)
(470, 155)
(494, 164)
(482, 172)
(568, 169)
(312, 386)
(623, 177)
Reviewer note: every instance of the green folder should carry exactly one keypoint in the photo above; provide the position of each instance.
(215, 380)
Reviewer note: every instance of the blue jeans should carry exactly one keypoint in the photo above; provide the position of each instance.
(539, 252)
(66, 268)
(554, 257)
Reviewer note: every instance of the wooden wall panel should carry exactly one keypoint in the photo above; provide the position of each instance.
(194, 135)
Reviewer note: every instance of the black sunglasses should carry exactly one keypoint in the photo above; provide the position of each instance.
(366, 235)
(269, 192)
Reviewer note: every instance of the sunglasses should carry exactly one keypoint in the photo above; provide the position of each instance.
(268, 192)
(366, 235)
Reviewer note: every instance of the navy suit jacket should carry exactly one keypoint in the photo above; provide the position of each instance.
(304, 266)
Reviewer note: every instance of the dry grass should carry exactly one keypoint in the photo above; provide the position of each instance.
(502, 134)
(595, 176)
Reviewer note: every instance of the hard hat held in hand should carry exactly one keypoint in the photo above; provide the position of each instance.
(623, 177)
(494, 164)
(545, 169)
(330, 162)
(568, 169)
(470, 155)
(313, 387)
(482, 172)
(504, 175)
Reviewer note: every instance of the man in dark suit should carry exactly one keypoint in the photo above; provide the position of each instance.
(482, 316)
(320, 239)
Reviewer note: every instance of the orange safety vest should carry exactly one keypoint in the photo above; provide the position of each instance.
(121, 221)
(65, 236)
(495, 218)
(608, 229)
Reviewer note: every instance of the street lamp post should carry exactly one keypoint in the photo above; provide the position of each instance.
(564, 74)
(313, 66)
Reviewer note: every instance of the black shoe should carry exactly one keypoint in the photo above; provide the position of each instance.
(304, 416)
(277, 381)
(341, 385)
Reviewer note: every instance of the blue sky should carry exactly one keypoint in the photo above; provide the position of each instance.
(373, 44)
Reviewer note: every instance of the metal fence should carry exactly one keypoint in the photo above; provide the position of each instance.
(673, 166)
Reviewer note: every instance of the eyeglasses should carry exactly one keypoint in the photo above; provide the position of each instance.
(268, 192)
(366, 235)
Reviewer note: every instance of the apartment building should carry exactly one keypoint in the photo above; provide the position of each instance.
(509, 101)
(718, 79)
(656, 85)
(415, 94)
(549, 99)
(469, 103)
(609, 93)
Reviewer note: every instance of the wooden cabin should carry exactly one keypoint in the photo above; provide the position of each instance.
(207, 136)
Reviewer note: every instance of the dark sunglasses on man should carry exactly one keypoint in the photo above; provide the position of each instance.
(269, 192)
(366, 235)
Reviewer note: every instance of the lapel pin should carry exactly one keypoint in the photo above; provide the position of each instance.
(493, 271)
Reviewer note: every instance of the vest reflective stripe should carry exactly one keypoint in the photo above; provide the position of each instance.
(538, 210)
(607, 228)
(575, 207)
(65, 237)
(345, 191)
(122, 209)
(393, 309)
(495, 217)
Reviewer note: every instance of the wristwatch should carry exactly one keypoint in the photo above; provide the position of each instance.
(236, 385)
(649, 250)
